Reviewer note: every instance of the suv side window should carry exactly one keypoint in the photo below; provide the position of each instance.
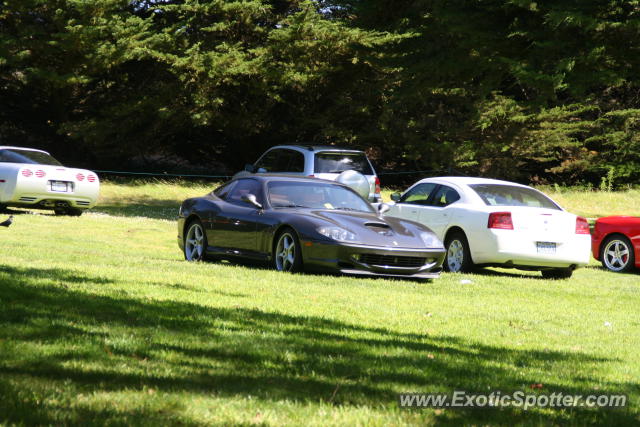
(296, 161)
(269, 162)
(418, 195)
(444, 197)
(242, 188)
(282, 160)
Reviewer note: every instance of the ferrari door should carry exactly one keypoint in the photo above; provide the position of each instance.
(234, 227)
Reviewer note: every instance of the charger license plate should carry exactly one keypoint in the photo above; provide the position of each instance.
(547, 248)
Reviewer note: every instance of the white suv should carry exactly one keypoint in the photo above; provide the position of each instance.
(324, 162)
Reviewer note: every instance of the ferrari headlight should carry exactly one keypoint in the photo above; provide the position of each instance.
(430, 240)
(337, 233)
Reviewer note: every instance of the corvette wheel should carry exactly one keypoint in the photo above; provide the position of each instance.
(286, 255)
(458, 259)
(617, 254)
(195, 242)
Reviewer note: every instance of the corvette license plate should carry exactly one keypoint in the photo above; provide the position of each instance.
(546, 247)
(60, 186)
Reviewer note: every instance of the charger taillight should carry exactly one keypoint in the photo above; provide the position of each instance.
(500, 220)
(582, 226)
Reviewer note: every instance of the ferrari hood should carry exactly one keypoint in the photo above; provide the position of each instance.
(375, 231)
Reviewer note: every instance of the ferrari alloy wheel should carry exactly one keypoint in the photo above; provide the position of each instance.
(287, 254)
(458, 258)
(617, 254)
(195, 242)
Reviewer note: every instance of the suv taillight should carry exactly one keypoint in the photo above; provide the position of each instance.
(582, 226)
(500, 220)
(377, 186)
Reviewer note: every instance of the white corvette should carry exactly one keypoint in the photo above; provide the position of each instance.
(32, 178)
(488, 222)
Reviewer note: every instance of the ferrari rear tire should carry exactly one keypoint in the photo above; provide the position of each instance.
(617, 254)
(195, 242)
(458, 257)
(68, 212)
(557, 273)
(287, 254)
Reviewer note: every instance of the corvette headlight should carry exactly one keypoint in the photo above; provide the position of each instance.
(430, 240)
(337, 233)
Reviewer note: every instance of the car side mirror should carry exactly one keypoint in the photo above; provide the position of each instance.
(249, 168)
(260, 170)
(382, 208)
(252, 200)
(396, 197)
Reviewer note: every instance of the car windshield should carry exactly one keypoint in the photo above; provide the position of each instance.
(338, 162)
(510, 195)
(27, 156)
(291, 194)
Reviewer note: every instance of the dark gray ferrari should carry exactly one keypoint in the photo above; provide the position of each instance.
(305, 224)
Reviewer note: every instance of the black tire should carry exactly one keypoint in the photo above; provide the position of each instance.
(458, 256)
(617, 254)
(287, 251)
(557, 273)
(195, 242)
(68, 212)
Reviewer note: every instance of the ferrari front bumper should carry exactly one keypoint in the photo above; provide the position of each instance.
(372, 260)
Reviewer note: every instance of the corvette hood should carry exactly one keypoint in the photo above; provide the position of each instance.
(375, 231)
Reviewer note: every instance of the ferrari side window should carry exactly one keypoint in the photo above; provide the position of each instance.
(223, 191)
(242, 188)
(419, 194)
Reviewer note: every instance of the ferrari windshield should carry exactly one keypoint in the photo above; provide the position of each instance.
(508, 195)
(292, 194)
(14, 155)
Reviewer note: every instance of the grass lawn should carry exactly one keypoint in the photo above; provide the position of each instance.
(102, 322)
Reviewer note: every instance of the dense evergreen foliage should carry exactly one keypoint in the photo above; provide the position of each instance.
(540, 91)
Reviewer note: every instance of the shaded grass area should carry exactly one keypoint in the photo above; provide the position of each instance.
(102, 322)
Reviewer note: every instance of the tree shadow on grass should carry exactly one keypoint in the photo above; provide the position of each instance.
(53, 338)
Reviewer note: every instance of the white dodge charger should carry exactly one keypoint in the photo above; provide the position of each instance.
(33, 178)
(488, 222)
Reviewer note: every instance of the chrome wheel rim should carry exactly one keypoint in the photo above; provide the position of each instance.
(616, 255)
(194, 243)
(455, 256)
(285, 253)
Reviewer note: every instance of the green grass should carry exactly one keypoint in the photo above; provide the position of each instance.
(102, 322)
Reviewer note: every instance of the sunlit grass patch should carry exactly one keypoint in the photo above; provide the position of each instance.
(103, 322)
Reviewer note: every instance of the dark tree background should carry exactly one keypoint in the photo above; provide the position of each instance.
(530, 91)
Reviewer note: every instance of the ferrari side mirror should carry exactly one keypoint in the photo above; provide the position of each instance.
(396, 197)
(252, 200)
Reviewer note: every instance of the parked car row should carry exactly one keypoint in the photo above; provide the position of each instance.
(318, 208)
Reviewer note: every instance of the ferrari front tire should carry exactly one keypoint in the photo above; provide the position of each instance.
(287, 254)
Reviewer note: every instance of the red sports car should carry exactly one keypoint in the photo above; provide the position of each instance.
(616, 242)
